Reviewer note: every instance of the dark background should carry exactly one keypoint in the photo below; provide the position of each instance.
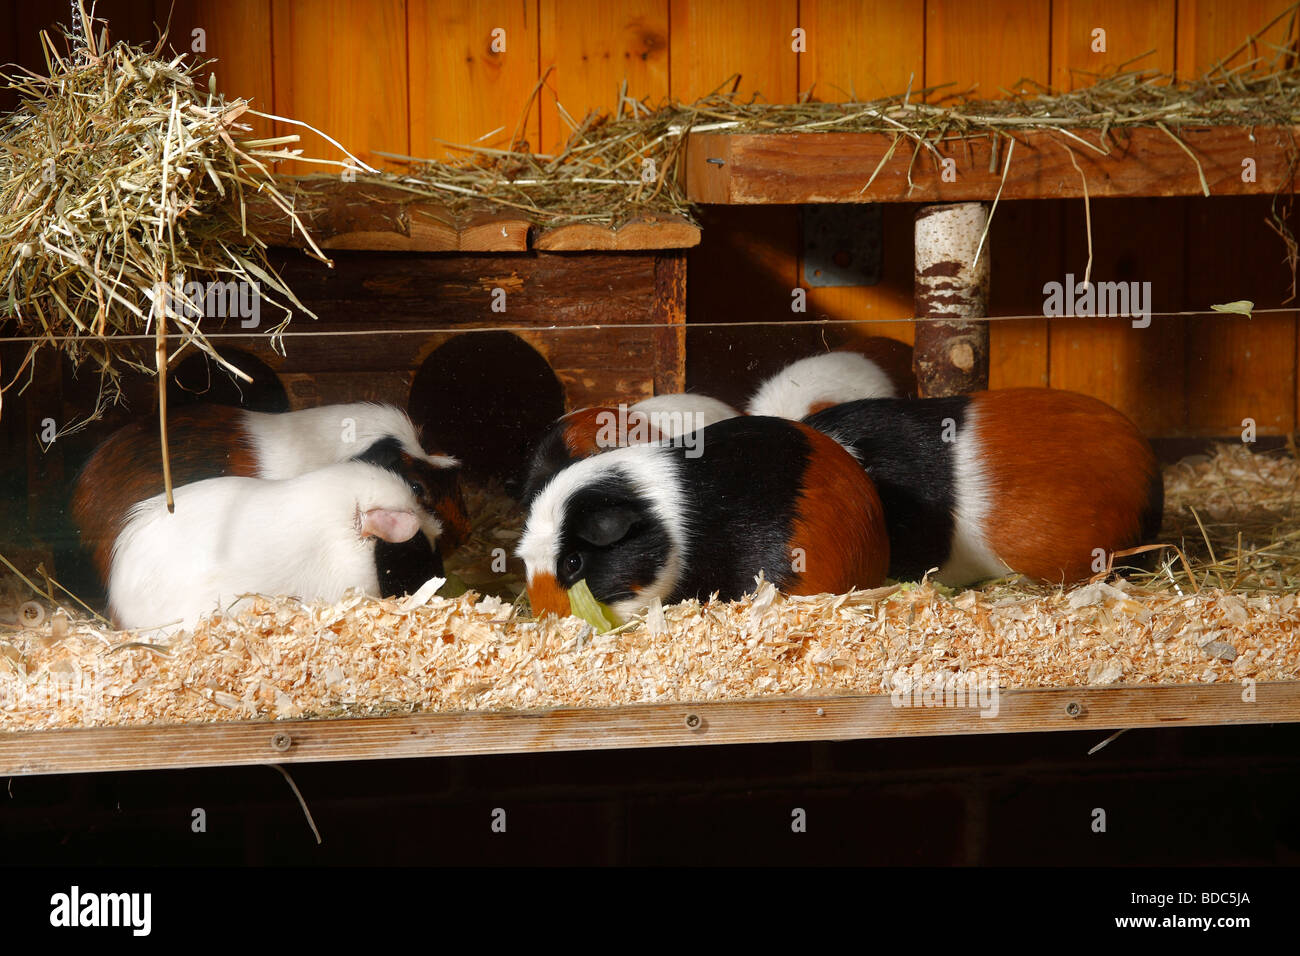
(1173, 797)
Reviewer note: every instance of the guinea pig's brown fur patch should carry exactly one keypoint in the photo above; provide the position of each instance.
(1067, 474)
(546, 596)
(839, 523)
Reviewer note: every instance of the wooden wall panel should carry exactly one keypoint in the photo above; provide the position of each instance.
(461, 90)
(1140, 371)
(341, 66)
(845, 59)
(237, 36)
(1237, 368)
(989, 45)
(590, 47)
(746, 268)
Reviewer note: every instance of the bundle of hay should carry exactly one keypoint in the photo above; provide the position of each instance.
(122, 178)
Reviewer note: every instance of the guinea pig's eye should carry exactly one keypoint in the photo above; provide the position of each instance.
(572, 565)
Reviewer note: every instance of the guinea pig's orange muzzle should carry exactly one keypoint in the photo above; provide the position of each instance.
(547, 597)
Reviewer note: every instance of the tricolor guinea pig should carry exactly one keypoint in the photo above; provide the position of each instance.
(1031, 480)
(350, 525)
(590, 431)
(651, 521)
(210, 441)
(882, 368)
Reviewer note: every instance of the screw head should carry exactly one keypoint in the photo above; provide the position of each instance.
(1074, 708)
(281, 742)
(694, 722)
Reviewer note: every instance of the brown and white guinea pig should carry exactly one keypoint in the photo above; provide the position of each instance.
(590, 431)
(349, 525)
(211, 441)
(879, 367)
(1030, 480)
(649, 521)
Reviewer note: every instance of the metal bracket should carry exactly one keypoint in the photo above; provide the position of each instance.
(843, 244)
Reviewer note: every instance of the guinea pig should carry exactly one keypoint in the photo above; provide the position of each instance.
(211, 441)
(881, 369)
(589, 431)
(651, 521)
(1030, 480)
(348, 525)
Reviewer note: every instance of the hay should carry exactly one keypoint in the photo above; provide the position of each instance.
(598, 175)
(120, 178)
(282, 659)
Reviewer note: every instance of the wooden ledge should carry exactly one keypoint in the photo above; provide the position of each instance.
(374, 217)
(753, 168)
(773, 720)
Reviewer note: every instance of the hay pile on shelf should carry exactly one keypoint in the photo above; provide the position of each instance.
(598, 174)
(284, 659)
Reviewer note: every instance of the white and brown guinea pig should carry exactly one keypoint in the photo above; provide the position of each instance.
(879, 367)
(1030, 480)
(649, 521)
(211, 441)
(587, 431)
(350, 525)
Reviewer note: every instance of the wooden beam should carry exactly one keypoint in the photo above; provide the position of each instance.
(751, 168)
(643, 725)
(659, 232)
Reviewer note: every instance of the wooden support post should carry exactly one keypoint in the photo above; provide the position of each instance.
(951, 357)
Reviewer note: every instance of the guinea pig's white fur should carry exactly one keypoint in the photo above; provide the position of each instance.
(655, 476)
(830, 378)
(311, 536)
(293, 443)
(668, 413)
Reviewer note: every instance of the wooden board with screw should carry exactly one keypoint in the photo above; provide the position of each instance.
(775, 720)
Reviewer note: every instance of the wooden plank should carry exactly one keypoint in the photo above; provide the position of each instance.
(1237, 368)
(341, 67)
(987, 48)
(748, 261)
(785, 168)
(461, 89)
(777, 720)
(237, 35)
(1137, 370)
(845, 60)
(590, 48)
(670, 314)
(660, 232)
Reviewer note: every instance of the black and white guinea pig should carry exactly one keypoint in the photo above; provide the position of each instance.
(647, 521)
(349, 525)
(590, 431)
(1031, 480)
(211, 441)
(879, 367)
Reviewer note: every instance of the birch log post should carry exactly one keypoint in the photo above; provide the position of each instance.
(951, 355)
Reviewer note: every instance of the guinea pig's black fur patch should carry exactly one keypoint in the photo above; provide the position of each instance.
(901, 444)
(550, 455)
(405, 565)
(612, 538)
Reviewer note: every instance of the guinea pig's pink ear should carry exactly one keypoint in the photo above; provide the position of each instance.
(392, 526)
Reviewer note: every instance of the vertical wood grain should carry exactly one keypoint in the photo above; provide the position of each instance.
(341, 66)
(748, 262)
(461, 89)
(986, 47)
(847, 58)
(237, 37)
(1237, 368)
(1139, 371)
(590, 47)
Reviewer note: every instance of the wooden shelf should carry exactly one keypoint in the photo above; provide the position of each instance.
(755, 168)
(649, 725)
(372, 217)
